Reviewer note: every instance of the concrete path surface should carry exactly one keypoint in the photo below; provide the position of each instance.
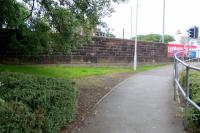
(141, 104)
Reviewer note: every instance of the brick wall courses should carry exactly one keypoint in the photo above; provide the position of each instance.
(101, 50)
(104, 50)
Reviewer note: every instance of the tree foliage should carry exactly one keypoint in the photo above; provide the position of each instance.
(53, 25)
(155, 38)
(105, 31)
(12, 13)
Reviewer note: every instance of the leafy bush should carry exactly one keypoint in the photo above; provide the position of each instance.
(194, 120)
(35, 104)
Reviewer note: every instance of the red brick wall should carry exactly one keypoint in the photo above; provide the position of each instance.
(101, 50)
(111, 50)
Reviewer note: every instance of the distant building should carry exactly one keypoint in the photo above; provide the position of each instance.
(183, 43)
(177, 37)
(180, 39)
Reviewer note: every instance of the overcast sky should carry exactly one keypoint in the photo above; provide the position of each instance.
(180, 15)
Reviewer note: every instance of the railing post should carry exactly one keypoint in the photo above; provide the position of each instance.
(177, 70)
(174, 78)
(198, 55)
(187, 97)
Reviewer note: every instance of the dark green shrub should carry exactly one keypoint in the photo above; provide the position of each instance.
(35, 104)
(194, 120)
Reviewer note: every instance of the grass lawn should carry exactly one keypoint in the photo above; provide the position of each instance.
(69, 71)
(149, 67)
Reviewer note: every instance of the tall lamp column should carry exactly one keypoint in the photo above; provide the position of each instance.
(136, 26)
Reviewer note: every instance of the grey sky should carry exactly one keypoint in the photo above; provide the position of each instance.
(180, 15)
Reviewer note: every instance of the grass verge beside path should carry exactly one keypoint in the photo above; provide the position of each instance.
(62, 71)
(70, 71)
(143, 68)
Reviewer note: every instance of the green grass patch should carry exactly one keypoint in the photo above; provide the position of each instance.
(71, 71)
(61, 71)
(143, 68)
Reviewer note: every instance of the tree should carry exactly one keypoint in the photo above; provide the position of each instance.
(53, 25)
(154, 38)
(12, 13)
(168, 38)
(104, 30)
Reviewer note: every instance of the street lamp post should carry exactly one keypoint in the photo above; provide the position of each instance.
(131, 22)
(136, 26)
(163, 28)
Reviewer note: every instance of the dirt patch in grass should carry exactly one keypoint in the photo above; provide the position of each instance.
(92, 89)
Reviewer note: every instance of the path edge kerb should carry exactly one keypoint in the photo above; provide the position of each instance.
(105, 96)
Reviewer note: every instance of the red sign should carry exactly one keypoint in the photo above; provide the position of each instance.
(172, 48)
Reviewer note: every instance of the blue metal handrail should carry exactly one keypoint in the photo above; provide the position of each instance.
(178, 86)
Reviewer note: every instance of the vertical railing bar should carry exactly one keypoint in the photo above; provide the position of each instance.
(187, 96)
(175, 63)
(177, 67)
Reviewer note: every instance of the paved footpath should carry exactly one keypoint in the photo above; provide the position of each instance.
(141, 104)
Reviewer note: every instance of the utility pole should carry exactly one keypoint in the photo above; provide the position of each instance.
(136, 26)
(123, 33)
(163, 28)
(131, 22)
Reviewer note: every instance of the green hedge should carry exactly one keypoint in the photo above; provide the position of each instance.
(35, 104)
(194, 120)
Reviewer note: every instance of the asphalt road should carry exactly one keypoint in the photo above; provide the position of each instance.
(141, 104)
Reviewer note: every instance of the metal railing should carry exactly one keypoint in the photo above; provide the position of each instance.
(181, 64)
